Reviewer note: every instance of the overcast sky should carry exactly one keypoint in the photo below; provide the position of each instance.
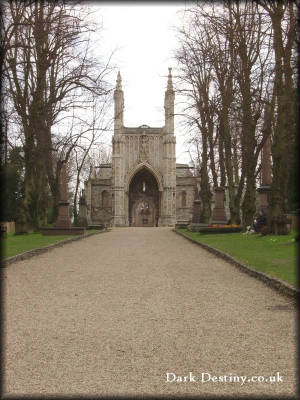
(144, 37)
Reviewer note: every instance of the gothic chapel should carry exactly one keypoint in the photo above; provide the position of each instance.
(143, 186)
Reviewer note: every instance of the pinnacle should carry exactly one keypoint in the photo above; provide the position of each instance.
(119, 82)
(170, 82)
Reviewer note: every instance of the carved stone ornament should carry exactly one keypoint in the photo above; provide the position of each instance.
(144, 144)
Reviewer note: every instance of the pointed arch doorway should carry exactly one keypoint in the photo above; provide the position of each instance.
(143, 199)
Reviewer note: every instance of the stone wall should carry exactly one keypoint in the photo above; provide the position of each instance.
(104, 171)
(185, 193)
(101, 197)
(153, 147)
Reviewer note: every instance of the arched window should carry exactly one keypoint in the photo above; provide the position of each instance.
(105, 197)
(183, 199)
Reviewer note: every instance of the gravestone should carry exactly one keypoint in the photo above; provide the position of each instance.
(63, 225)
(63, 218)
(218, 213)
(196, 211)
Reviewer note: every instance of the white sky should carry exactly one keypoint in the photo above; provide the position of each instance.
(144, 37)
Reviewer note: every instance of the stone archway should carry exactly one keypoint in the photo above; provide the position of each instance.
(143, 196)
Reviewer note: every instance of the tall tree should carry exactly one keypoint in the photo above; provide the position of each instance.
(47, 69)
(83, 154)
(230, 41)
(283, 18)
(248, 39)
(196, 85)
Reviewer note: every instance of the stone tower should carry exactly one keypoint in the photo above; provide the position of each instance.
(168, 216)
(148, 150)
(119, 105)
(118, 157)
(143, 186)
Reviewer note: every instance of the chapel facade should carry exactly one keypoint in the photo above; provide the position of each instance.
(143, 186)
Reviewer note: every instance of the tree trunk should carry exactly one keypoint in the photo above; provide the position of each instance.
(234, 204)
(221, 160)
(205, 193)
(285, 118)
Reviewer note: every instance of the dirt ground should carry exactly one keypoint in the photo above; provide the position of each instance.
(116, 312)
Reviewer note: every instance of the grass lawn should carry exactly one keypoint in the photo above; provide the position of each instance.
(16, 244)
(275, 256)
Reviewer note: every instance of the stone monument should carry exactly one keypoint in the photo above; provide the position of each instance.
(218, 213)
(63, 225)
(196, 211)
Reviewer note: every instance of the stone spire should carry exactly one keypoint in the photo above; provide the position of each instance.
(119, 82)
(119, 103)
(169, 105)
(170, 82)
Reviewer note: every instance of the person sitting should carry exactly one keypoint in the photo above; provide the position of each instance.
(259, 221)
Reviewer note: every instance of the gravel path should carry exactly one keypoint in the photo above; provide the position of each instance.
(113, 313)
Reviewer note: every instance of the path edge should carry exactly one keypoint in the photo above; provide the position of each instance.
(35, 252)
(277, 284)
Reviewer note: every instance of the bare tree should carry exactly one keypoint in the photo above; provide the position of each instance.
(49, 74)
(229, 44)
(283, 18)
(249, 37)
(196, 85)
(88, 148)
